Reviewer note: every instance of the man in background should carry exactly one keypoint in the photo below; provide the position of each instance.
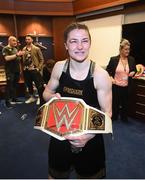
(12, 69)
(33, 62)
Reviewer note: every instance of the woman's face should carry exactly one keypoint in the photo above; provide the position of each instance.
(125, 51)
(78, 44)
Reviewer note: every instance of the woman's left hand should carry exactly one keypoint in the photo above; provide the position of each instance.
(79, 141)
(131, 73)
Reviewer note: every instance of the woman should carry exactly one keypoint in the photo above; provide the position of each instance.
(121, 68)
(79, 74)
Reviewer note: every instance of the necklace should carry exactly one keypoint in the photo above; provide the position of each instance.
(124, 64)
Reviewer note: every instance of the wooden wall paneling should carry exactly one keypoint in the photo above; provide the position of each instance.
(7, 6)
(135, 7)
(6, 29)
(62, 1)
(38, 7)
(82, 6)
(58, 7)
(37, 25)
(7, 25)
(59, 24)
(43, 8)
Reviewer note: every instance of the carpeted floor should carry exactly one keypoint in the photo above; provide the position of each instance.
(23, 150)
(126, 153)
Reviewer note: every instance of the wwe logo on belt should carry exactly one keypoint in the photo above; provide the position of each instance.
(65, 117)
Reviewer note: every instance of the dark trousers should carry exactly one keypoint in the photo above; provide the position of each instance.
(120, 102)
(31, 76)
(87, 163)
(12, 84)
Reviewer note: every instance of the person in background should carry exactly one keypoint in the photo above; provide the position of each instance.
(12, 69)
(32, 64)
(88, 81)
(47, 69)
(121, 69)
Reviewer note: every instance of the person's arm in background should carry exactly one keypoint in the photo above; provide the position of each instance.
(41, 58)
(12, 57)
(46, 74)
(110, 70)
(50, 89)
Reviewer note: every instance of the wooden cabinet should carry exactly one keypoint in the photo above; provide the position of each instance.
(137, 100)
(20, 89)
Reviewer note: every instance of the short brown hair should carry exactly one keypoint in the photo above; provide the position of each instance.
(73, 26)
(28, 35)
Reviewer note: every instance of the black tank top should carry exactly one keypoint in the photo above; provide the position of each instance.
(83, 89)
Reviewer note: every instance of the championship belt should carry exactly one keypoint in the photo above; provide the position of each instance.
(71, 116)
